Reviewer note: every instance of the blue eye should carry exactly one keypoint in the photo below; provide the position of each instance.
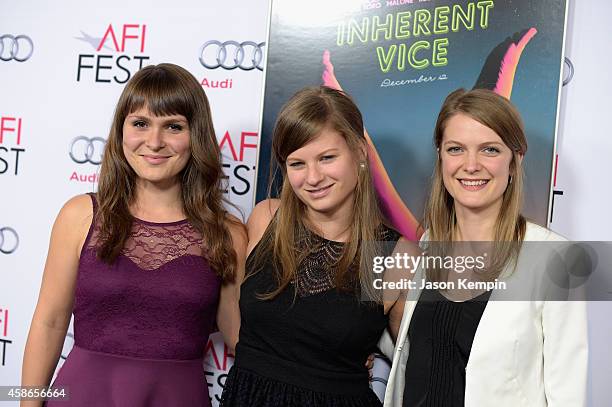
(328, 157)
(491, 150)
(295, 164)
(453, 150)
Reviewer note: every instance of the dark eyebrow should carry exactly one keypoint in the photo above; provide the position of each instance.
(175, 120)
(486, 143)
(172, 119)
(452, 142)
(329, 150)
(133, 116)
(326, 152)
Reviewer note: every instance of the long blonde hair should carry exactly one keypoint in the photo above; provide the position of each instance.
(500, 115)
(167, 89)
(299, 122)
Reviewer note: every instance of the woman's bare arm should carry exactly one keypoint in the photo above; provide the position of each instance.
(56, 297)
(228, 312)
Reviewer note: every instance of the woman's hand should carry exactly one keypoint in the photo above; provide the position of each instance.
(369, 364)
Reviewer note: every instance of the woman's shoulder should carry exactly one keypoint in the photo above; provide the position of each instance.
(266, 208)
(74, 220)
(533, 232)
(259, 220)
(262, 214)
(78, 209)
(538, 233)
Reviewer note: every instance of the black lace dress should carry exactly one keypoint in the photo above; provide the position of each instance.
(307, 351)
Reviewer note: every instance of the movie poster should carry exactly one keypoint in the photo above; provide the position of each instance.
(399, 59)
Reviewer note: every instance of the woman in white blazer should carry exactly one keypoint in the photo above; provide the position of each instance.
(507, 353)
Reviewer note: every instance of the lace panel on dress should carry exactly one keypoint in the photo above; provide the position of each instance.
(317, 272)
(150, 246)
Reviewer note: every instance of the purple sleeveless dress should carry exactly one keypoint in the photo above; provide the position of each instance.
(141, 324)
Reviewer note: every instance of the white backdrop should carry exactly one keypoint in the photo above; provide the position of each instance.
(584, 148)
(44, 108)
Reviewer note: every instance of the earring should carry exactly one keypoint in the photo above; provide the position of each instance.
(510, 182)
(362, 165)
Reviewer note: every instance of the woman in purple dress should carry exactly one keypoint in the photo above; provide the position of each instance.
(147, 263)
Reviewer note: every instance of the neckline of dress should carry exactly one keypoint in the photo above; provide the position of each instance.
(318, 236)
(146, 222)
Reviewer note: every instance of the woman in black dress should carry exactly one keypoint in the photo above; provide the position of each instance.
(309, 315)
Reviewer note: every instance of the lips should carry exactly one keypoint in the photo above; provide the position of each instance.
(319, 192)
(155, 159)
(473, 184)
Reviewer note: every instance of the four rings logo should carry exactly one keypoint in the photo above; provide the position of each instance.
(246, 55)
(9, 240)
(68, 344)
(87, 150)
(19, 48)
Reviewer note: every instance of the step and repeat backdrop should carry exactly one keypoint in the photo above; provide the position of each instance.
(581, 193)
(62, 67)
(64, 64)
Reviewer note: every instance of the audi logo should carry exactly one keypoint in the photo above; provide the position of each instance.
(246, 55)
(68, 345)
(19, 48)
(87, 150)
(9, 240)
(570, 71)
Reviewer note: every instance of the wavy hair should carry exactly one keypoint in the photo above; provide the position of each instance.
(300, 121)
(167, 89)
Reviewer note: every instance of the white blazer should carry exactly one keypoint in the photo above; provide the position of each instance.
(525, 353)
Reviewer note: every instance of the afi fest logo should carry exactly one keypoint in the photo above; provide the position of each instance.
(10, 144)
(15, 48)
(119, 53)
(217, 362)
(4, 340)
(85, 150)
(239, 167)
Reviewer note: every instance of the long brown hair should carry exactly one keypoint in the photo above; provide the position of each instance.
(300, 121)
(167, 89)
(500, 115)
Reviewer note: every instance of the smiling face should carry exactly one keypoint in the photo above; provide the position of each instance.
(475, 165)
(156, 147)
(323, 174)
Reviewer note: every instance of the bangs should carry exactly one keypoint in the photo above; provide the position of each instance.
(304, 117)
(300, 134)
(162, 94)
(297, 126)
